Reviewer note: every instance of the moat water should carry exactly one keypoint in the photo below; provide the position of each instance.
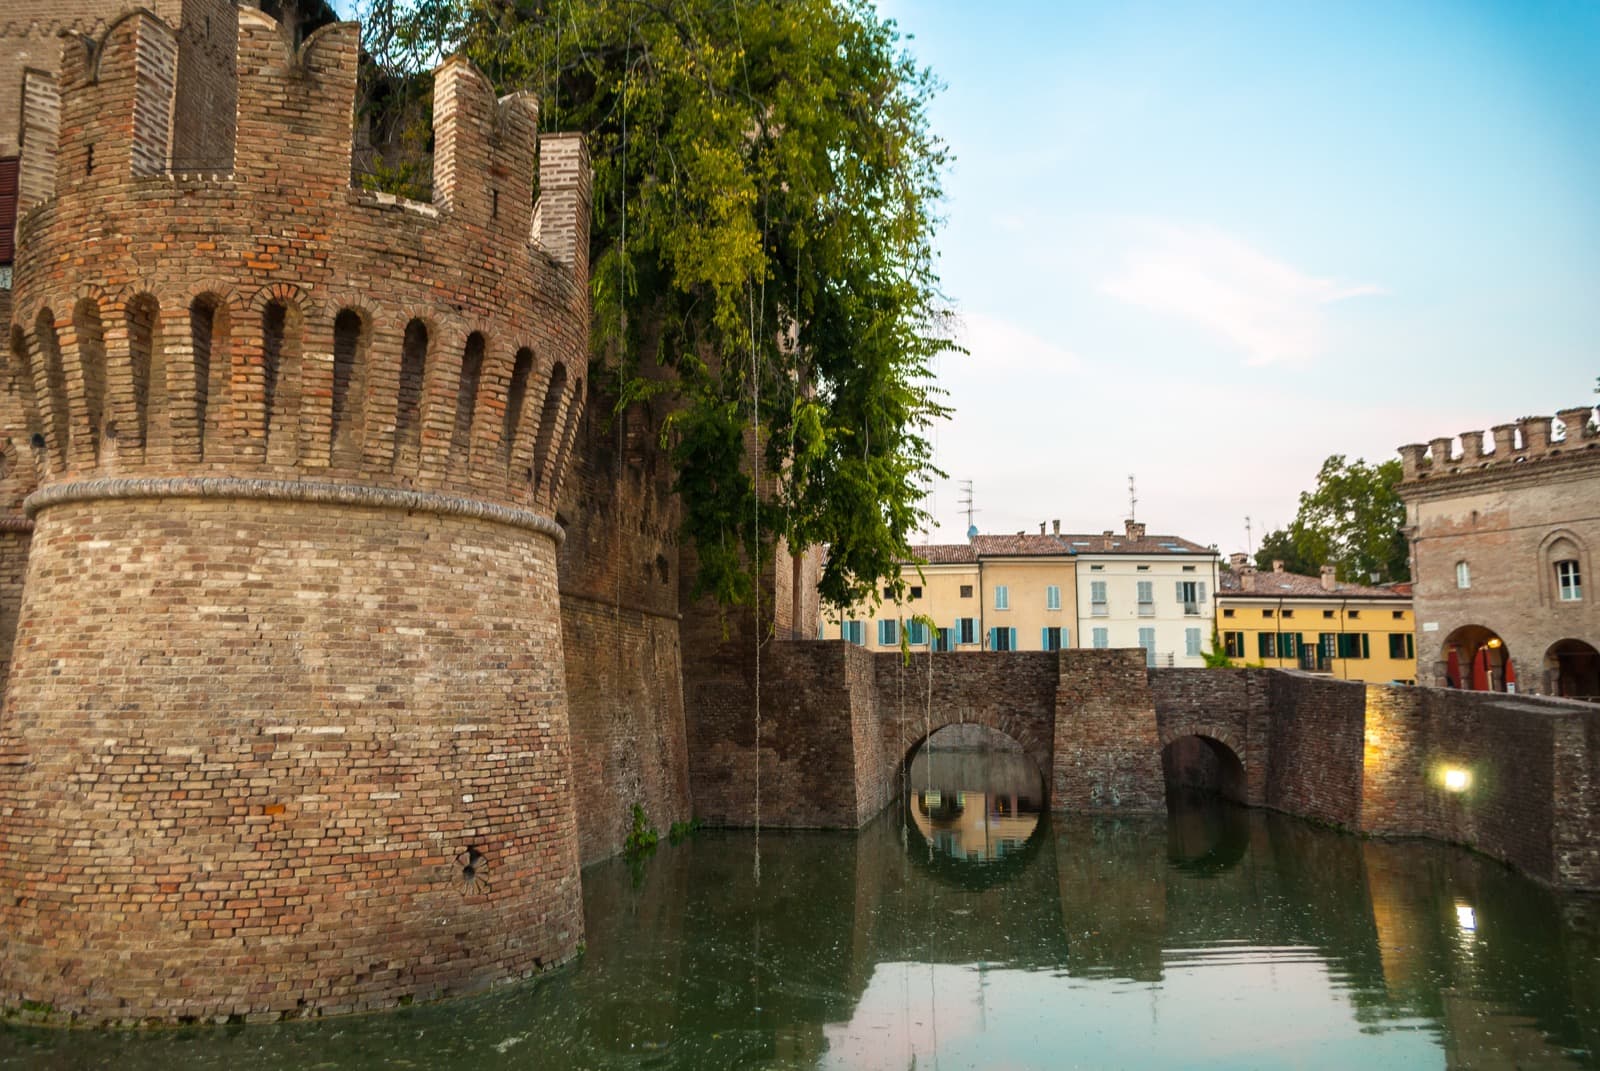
(967, 930)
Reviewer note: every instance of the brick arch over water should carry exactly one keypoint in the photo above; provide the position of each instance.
(1012, 693)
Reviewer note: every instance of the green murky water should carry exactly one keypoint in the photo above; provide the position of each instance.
(968, 931)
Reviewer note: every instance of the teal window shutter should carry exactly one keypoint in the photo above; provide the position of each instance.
(1011, 639)
(1044, 639)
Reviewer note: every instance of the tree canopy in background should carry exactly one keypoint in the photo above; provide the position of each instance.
(766, 188)
(1352, 520)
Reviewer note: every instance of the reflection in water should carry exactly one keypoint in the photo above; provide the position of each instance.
(1215, 937)
(974, 806)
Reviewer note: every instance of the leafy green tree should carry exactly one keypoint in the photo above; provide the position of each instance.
(1283, 544)
(1353, 520)
(766, 188)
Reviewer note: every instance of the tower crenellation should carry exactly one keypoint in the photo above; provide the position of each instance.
(240, 279)
(1531, 438)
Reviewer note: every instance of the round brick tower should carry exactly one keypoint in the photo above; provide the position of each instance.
(285, 730)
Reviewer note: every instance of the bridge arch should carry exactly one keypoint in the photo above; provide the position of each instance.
(1204, 756)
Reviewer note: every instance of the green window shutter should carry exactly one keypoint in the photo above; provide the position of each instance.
(1264, 647)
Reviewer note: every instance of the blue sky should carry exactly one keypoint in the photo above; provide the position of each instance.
(1211, 244)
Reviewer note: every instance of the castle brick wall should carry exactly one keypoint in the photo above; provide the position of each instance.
(618, 570)
(262, 805)
(288, 685)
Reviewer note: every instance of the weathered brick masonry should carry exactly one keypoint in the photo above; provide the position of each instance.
(286, 728)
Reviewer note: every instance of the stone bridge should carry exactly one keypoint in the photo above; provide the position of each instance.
(1109, 736)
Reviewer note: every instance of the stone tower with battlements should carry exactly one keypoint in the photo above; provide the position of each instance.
(285, 729)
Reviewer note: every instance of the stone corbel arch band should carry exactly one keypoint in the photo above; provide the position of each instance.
(335, 494)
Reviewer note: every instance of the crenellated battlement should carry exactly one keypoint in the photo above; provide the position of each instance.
(1529, 439)
(266, 320)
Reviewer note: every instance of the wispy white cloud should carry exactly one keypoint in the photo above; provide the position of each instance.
(1268, 310)
(996, 344)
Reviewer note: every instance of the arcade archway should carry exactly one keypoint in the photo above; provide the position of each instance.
(1572, 669)
(1475, 658)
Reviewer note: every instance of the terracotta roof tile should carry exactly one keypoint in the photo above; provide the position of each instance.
(1272, 585)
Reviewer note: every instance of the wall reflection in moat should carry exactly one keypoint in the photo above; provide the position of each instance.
(974, 806)
(1215, 937)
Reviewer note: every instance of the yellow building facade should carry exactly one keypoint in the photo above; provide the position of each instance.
(1319, 624)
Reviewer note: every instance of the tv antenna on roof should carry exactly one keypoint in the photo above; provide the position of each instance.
(1133, 500)
(967, 507)
(1249, 537)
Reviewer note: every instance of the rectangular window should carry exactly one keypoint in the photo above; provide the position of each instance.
(1191, 594)
(1102, 638)
(1234, 642)
(966, 630)
(850, 632)
(1191, 641)
(1463, 575)
(1143, 568)
(1288, 613)
(1097, 568)
(1266, 613)
(1569, 585)
(1097, 598)
(1354, 645)
(941, 640)
(1147, 640)
(888, 594)
(1265, 645)
(1227, 613)
(1188, 568)
(1147, 598)
(966, 591)
(1002, 639)
(1398, 615)
(1002, 597)
(1353, 614)
(888, 633)
(916, 592)
(1327, 614)
(1054, 638)
(916, 633)
(1402, 645)
(1052, 597)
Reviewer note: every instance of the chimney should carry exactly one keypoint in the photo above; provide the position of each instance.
(1277, 565)
(1135, 530)
(1108, 533)
(1238, 560)
(1055, 526)
(1329, 578)
(1041, 528)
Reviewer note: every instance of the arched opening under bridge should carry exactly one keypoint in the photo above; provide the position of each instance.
(973, 793)
(1202, 763)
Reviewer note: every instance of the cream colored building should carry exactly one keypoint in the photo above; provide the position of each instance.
(1316, 623)
(1149, 591)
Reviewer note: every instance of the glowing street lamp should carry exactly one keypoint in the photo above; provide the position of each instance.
(1457, 779)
